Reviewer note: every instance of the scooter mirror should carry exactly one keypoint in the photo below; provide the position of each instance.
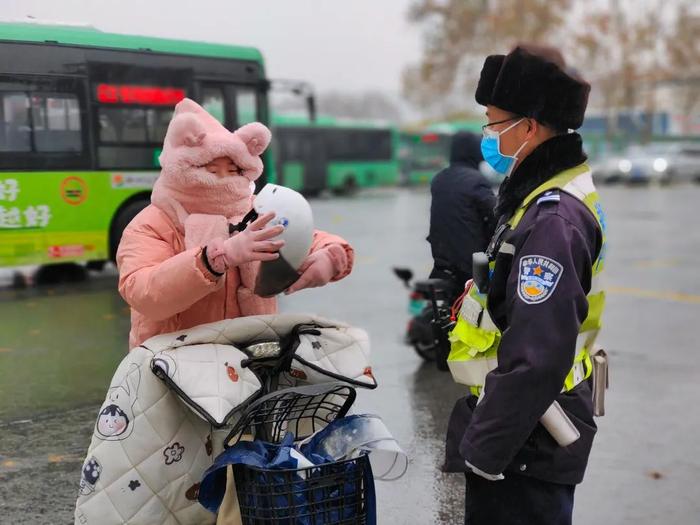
(405, 275)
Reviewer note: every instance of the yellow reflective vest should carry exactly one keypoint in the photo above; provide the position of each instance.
(475, 338)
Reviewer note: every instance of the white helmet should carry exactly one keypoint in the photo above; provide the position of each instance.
(294, 213)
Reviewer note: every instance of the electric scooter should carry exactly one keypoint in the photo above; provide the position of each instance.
(430, 302)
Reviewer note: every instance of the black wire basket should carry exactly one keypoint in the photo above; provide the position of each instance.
(337, 493)
(340, 493)
(300, 410)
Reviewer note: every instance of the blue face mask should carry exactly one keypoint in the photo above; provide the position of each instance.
(491, 150)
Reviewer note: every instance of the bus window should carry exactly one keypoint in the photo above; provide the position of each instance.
(33, 121)
(337, 144)
(134, 108)
(122, 125)
(134, 125)
(297, 144)
(56, 122)
(122, 128)
(292, 146)
(157, 124)
(246, 106)
(358, 144)
(213, 103)
(15, 129)
(379, 145)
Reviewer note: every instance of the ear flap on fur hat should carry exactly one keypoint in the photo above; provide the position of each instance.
(255, 136)
(487, 80)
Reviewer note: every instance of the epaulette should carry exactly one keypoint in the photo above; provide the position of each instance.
(549, 196)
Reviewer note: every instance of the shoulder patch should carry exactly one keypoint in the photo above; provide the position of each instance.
(538, 278)
(549, 196)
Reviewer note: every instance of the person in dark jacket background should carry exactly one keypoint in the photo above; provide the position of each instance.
(461, 211)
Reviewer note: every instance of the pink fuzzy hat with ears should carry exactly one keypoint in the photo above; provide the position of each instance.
(195, 138)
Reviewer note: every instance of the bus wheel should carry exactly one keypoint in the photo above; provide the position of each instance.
(126, 214)
(349, 186)
(95, 266)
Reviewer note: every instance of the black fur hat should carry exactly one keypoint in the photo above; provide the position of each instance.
(535, 85)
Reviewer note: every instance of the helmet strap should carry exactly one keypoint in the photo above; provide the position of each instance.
(249, 217)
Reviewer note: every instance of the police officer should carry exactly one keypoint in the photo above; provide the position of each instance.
(524, 337)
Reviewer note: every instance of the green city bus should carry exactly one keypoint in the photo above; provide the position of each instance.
(83, 115)
(334, 154)
(424, 153)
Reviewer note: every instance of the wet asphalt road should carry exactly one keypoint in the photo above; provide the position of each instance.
(59, 346)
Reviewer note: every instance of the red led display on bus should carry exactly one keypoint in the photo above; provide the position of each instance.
(145, 95)
(430, 138)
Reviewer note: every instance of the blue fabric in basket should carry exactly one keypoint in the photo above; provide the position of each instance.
(283, 456)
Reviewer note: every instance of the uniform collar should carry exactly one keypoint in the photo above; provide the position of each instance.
(553, 156)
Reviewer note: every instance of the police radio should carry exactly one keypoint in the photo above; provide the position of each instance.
(480, 271)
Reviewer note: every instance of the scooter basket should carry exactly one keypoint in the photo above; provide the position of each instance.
(338, 493)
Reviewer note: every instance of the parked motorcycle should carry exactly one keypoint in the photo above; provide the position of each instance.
(430, 304)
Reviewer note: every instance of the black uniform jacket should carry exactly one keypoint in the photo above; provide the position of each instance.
(461, 211)
(558, 239)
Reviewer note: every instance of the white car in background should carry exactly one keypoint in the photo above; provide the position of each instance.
(657, 162)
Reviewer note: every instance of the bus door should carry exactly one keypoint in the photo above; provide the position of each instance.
(231, 104)
(132, 107)
(302, 158)
(235, 105)
(312, 155)
(315, 161)
(212, 97)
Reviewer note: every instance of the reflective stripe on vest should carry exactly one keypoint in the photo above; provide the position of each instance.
(475, 339)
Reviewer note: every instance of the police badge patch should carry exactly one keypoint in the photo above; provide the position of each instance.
(538, 278)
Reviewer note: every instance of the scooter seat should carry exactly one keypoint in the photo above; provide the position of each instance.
(425, 286)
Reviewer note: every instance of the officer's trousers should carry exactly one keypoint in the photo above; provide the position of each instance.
(517, 500)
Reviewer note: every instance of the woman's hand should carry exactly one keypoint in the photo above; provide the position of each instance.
(252, 244)
(319, 268)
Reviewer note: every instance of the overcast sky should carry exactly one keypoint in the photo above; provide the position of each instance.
(336, 44)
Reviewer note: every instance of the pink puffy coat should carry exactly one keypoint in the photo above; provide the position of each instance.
(168, 287)
(161, 272)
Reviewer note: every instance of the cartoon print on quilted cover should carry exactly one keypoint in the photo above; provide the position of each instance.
(216, 385)
(343, 351)
(149, 450)
(116, 418)
(141, 465)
